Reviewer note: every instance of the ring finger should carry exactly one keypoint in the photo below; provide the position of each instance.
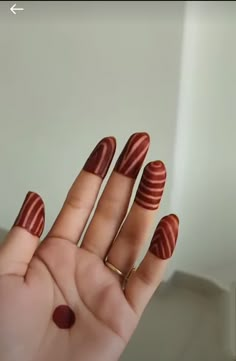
(135, 230)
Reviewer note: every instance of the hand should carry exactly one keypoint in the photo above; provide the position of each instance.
(62, 302)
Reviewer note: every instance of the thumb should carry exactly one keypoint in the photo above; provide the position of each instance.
(22, 240)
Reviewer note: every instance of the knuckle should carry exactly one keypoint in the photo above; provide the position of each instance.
(76, 202)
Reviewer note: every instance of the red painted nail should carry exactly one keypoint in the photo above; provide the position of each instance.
(32, 214)
(151, 186)
(131, 159)
(64, 317)
(100, 159)
(165, 237)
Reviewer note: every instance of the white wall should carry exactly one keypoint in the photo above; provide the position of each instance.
(85, 70)
(205, 167)
(181, 324)
(74, 73)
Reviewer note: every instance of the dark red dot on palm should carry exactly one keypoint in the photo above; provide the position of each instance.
(64, 317)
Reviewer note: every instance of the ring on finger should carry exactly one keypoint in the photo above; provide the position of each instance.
(117, 271)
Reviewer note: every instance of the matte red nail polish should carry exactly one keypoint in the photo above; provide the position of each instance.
(151, 186)
(32, 215)
(63, 317)
(165, 237)
(100, 159)
(133, 155)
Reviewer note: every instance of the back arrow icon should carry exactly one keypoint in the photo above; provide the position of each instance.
(14, 9)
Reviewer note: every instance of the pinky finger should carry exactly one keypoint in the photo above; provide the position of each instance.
(143, 283)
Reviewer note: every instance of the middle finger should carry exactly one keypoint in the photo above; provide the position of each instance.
(114, 202)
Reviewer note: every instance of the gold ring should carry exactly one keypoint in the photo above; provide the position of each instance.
(117, 271)
(133, 269)
(113, 268)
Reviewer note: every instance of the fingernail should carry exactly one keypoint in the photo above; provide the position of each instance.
(32, 215)
(133, 154)
(100, 159)
(151, 186)
(165, 237)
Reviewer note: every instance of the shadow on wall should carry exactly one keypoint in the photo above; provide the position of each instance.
(3, 233)
(186, 320)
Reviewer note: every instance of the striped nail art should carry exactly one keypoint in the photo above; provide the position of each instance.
(100, 159)
(151, 186)
(165, 237)
(32, 215)
(133, 154)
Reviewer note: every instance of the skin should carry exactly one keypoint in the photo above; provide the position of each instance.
(37, 278)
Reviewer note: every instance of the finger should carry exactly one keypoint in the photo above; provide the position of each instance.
(81, 197)
(21, 242)
(143, 283)
(113, 204)
(134, 232)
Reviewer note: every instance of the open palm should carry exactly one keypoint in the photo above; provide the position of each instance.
(62, 302)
